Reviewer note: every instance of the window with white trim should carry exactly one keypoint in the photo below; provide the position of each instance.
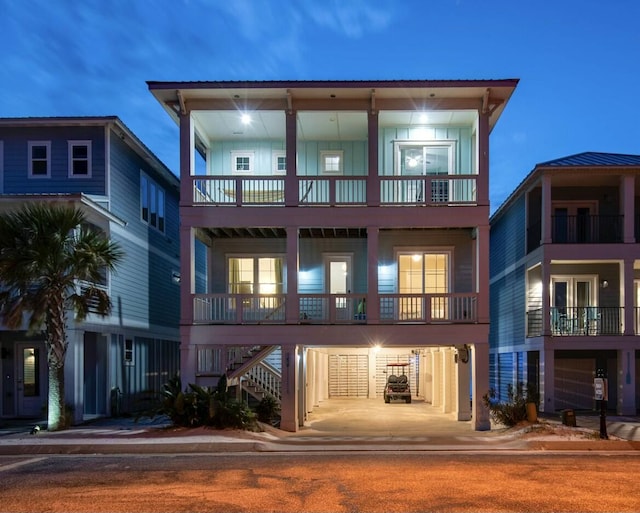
(331, 162)
(128, 352)
(152, 205)
(424, 272)
(279, 162)
(80, 159)
(39, 159)
(242, 162)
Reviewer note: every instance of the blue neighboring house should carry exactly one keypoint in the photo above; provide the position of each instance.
(114, 364)
(565, 283)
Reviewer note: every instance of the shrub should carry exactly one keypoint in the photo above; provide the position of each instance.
(514, 410)
(267, 409)
(198, 406)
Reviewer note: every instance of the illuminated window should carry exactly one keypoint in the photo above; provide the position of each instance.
(423, 273)
(31, 372)
(256, 275)
(39, 159)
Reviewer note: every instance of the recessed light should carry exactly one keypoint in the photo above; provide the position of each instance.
(332, 95)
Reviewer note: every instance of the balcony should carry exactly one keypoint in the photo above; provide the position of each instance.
(224, 190)
(334, 309)
(577, 321)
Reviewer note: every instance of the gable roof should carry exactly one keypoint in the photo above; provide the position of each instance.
(585, 159)
(591, 158)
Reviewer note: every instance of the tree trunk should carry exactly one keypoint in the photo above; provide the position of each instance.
(56, 418)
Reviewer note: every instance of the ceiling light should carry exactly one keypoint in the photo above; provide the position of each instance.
(246, 119)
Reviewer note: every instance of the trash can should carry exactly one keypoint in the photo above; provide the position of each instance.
(569, 418)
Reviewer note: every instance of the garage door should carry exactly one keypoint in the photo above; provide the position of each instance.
(382, 372)
(348, 375)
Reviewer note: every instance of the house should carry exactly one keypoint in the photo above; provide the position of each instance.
(330, 228)
(97, 164)
(565, 275)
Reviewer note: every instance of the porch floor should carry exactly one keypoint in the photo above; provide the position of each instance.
(354, 417)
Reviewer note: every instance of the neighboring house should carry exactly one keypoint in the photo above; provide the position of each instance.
(97, 164)
(329, 228)
(565, 283)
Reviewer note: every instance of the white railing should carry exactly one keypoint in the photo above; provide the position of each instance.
(428, 190)
(334, 190)
(429, 308)
(266, 379)
(238, 308)
(332, 308)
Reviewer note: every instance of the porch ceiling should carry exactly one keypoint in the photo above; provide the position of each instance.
(280, 233)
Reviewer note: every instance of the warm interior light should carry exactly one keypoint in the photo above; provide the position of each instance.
(416, 257)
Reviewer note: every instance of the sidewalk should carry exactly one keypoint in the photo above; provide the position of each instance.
(124, 436)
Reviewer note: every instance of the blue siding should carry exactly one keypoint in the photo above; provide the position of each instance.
(143, 285)
(16, 160)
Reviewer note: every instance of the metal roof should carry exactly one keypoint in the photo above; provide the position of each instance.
(590, 158)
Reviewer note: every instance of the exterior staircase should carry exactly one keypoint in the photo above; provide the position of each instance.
(249, 371)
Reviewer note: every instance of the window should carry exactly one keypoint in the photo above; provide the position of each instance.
(39, 159)
(152, 207)
(425, 158)
(279, 163)
(331, 162)
(420, 273)
(242, 162)
(80, 159)
(256, 275)
(128, 352)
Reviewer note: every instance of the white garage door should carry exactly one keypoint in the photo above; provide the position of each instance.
(348, 375)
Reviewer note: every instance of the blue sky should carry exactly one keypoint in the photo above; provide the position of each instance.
(577, 61)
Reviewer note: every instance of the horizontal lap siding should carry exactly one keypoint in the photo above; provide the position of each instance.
(16, 160)
(143, 285)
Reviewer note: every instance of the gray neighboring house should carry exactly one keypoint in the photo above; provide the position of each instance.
(565, 283)
(116, 363)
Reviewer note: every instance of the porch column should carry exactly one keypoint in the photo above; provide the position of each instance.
(449, 399)
(483, 159)
(373, 299)
(627, 191)
(462, 378)
(628, 299)
(626, 382)
(482, 272)
(186, 158)
(291, 179)
(427, 382)
(547, 379)
(436, 372)
(292, 305)
(546, 298)
(546, 210)
(373, 178)
(480, 384)
(188, 357)
(289, 392)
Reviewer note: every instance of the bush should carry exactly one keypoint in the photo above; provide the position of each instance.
(267, 409)
(198, 406)
(514, 410)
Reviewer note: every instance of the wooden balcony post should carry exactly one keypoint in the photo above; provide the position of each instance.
(373, 298)
(291, 179)
(373, 179)
(292, 306)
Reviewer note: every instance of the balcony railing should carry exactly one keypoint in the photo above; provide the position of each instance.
(334, 308)
(578, 321)
(334, 190)
(586, 229)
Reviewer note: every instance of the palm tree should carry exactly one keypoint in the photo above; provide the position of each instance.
(45, 251)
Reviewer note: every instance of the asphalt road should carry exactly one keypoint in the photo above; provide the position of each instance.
(330, 482)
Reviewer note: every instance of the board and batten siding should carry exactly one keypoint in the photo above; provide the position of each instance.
(308, 156)
(389, 135)
(143, 286)
(458, 241)
(16, 160)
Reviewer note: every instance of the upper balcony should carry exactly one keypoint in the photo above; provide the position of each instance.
(336, 158)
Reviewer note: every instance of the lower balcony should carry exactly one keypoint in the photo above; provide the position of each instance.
(334, 309)
(578, 321)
